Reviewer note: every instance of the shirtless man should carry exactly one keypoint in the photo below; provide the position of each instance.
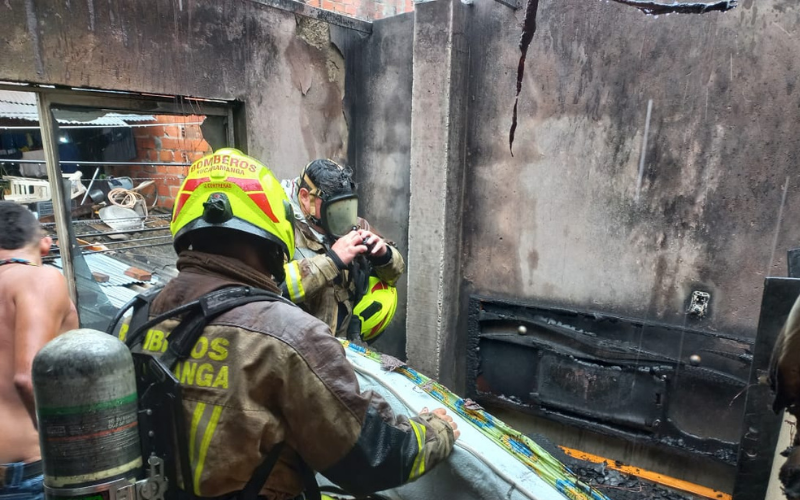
(34, 309)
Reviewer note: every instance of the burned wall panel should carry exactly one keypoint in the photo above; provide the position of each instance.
(285, 70)
(378, 104)
(562, 221)
(612, 375)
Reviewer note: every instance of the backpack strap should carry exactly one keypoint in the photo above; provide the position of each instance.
(261, 474)
(359, 275)
(207, 308)
(141, 310)
(197, 315)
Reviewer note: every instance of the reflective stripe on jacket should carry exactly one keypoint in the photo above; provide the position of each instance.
(313, 280)
(268, 372)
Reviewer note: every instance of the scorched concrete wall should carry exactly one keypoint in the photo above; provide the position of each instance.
(282, 67)
(560, 222)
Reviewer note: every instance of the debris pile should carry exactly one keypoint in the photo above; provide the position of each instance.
(613, 483)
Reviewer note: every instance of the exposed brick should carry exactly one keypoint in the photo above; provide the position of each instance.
(175, 170)
(166, 202)
(193, 132)
(173, 191)
(328, 5)
(174, 180)
(165, 155)
(350, 9)
(145, 142)
(174, 143)
(133, 171)
(195, 156)
(163, 188)
(152, 155)
(138, 274)
(172, 131)
(100, 277)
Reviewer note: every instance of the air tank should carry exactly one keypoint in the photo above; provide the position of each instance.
(86, 404)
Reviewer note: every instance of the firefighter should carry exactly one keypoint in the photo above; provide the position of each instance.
(267, 372)
(341, 265)
(784, 379)
(34, 308)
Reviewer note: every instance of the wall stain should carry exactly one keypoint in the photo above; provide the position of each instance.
(33, 31)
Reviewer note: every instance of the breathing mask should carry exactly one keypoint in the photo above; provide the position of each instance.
(338, 213)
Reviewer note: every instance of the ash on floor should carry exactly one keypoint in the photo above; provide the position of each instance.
(614, 484)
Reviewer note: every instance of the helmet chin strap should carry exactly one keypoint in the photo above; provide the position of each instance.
(314, 192)
(311, 216)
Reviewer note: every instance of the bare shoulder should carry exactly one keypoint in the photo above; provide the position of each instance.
(38, 280)
(48, 276)
(52, 275)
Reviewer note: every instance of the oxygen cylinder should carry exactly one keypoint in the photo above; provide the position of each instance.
(86, 403)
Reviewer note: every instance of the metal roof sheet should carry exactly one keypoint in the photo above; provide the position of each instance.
(116, 288)
(118, 296)
(114, 269)
(22, 106)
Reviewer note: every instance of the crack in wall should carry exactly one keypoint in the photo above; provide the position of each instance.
(646, 6)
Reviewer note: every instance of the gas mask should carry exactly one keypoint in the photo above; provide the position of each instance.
(338, 213)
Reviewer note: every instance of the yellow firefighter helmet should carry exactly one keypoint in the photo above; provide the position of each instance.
(376, 308)
(228, 189)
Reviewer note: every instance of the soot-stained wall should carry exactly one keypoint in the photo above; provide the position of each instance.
(378, 104)
(560, 222)
(282, 67)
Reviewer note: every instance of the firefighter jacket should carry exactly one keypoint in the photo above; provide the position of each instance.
(315, 281)
(267, 372)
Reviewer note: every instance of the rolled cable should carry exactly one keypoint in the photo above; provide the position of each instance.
(127, 199)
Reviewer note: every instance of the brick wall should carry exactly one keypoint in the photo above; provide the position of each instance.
(170, 139)
(365, 9)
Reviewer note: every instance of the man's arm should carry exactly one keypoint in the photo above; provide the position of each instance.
(389, 272)
(353, 438)
(43, 311)
(383, 255)
(307, 277)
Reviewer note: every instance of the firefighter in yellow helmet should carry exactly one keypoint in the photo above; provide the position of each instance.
(339, 259)
(266, 373)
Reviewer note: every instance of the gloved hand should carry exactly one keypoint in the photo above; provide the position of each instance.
(441, 413)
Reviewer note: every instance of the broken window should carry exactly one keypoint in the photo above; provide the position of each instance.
(121, 161)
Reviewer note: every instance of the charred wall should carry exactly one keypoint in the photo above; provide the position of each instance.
(378, 106)
(560, 223)
(282, 67)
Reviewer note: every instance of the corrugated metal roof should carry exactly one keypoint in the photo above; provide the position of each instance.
(12, 96)
(116, 288)
(22, 106)
(114, 269)
(118, 296)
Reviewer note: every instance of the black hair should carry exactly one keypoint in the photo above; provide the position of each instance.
(18, 226)
(331, 178)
